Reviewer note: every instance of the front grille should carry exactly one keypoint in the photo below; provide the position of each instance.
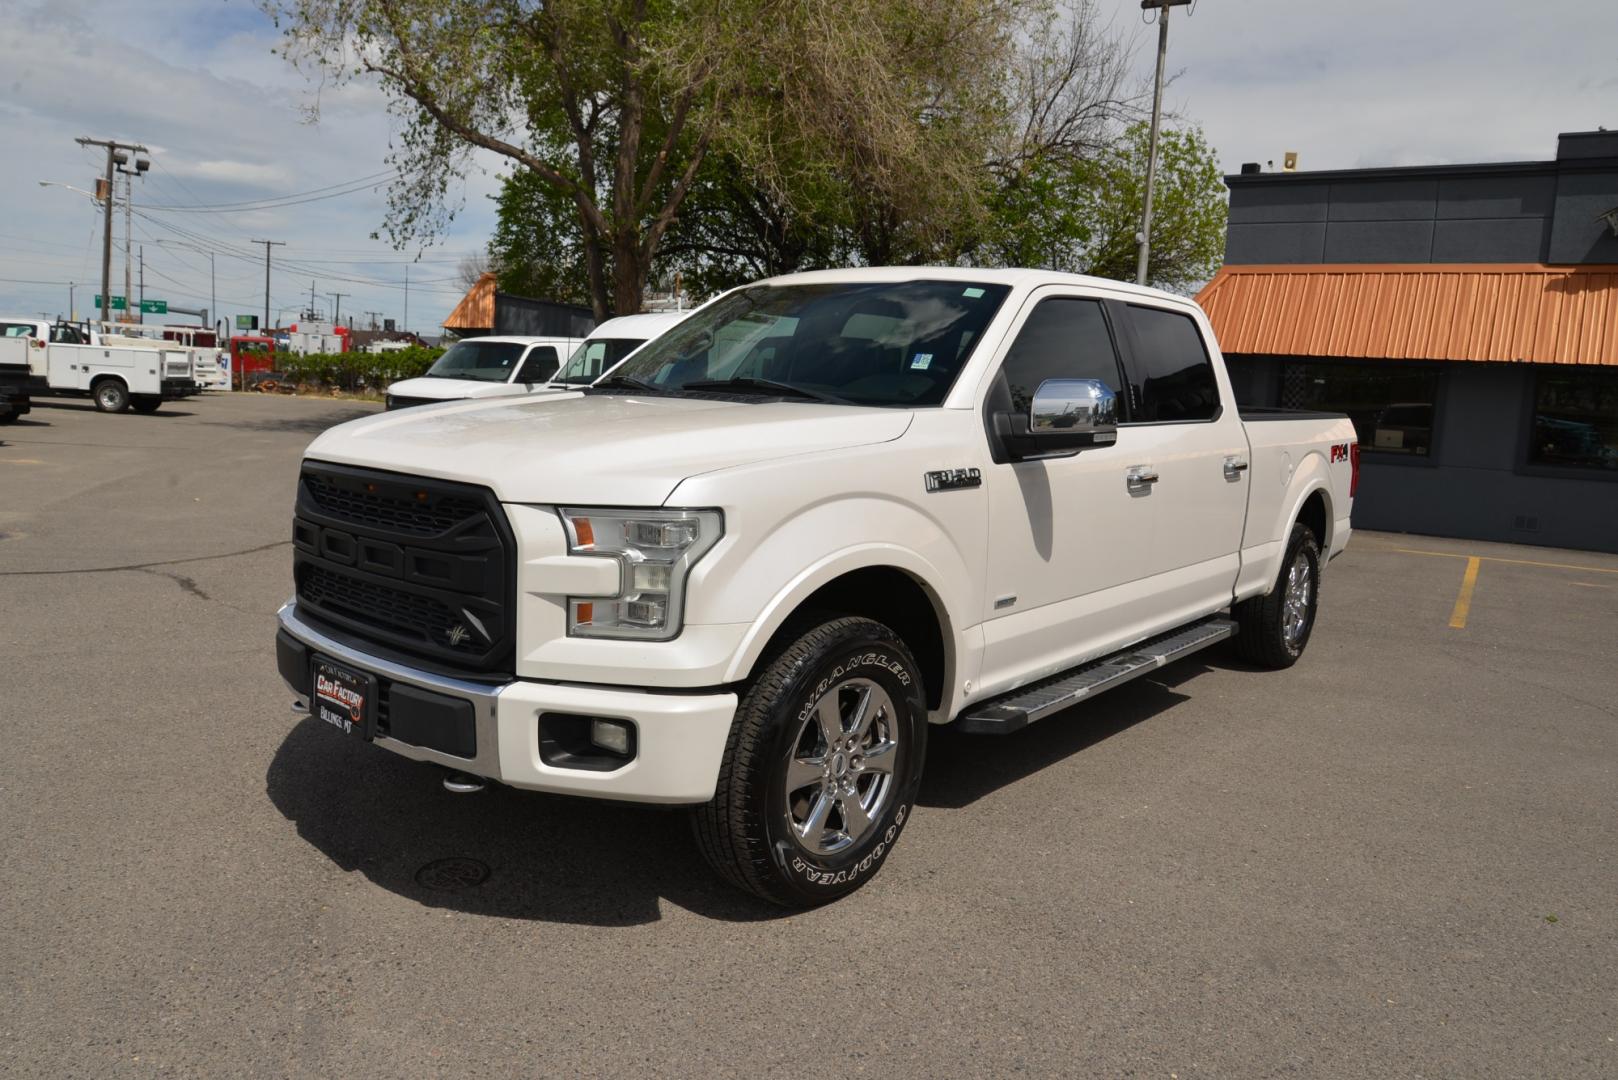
(418, 567)
(410, 509)
(400, 401)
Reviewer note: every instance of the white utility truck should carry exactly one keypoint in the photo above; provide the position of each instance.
(747, 569)
(68, 360)
(484, 367)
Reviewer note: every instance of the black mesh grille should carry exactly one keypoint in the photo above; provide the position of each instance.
(415, 566)
(401, 510)
(384, 608)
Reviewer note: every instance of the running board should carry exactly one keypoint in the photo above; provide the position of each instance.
(1016, 710)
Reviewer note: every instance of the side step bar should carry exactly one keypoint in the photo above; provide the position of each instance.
(1021, 707)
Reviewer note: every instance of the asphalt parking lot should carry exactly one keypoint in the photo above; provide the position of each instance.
(1395, 859)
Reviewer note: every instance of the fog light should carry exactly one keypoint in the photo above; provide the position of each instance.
(611, 735)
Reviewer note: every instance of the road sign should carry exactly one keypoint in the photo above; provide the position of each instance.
(247, 322)
(117, 304)
(154, 307)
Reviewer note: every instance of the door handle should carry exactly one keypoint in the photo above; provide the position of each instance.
(1234, 467)
(1140, 479)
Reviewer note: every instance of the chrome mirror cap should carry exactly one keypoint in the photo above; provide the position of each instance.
(1074, 407)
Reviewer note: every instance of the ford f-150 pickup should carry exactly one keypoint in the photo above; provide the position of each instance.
(748, 568)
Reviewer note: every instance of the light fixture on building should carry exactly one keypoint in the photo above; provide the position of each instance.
(1611, 218)
(1289, 161)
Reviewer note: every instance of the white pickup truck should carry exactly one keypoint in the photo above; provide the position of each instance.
(484, 367)
(68, 360)
(747, 569)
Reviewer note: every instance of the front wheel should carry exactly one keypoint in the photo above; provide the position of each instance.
(1274, 629)
(821, 768)
(110, 396)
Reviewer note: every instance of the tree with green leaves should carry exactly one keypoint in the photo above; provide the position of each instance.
(1082, 214)
(614, 106)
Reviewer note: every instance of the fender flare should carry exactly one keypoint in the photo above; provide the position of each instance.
(829, 568)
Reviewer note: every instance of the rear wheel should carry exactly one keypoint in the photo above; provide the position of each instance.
(821, 768)
(1276, 628)
(146, 404)
(110, 395)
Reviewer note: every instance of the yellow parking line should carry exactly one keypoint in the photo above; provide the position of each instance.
(1515, 562)
(1463, 602)
(1590, 585)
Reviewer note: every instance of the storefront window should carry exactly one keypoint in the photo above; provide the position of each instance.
(1391, 404)
(1575, 420)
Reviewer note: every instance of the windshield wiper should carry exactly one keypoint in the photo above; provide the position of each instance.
(628, 382)
(748, 382)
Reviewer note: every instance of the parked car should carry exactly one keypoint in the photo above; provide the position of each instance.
(746, 570)
(613, 340)
(484, 367)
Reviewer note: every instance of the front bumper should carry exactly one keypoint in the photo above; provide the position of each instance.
(680, 737)
(175, 389)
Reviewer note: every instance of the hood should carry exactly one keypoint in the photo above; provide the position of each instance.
(597, 449)
(428, 386)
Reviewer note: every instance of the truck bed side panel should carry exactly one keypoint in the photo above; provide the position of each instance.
(1292, 456)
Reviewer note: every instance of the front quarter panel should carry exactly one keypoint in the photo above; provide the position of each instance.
(794, 525)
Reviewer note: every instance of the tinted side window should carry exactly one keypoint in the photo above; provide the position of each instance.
(1062, 339)
(1176, 377)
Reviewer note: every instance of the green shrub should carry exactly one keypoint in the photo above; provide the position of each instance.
(356, 370)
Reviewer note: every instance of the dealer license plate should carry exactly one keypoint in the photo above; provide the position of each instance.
(344, 698)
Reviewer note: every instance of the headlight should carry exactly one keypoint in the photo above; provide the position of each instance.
(656, 550)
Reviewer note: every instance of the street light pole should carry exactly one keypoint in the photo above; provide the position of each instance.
(1163, 8)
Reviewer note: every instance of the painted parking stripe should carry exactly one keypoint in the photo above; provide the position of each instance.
(1463, 602)
(1513, 562)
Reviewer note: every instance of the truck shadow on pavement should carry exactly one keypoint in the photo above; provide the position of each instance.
(549, 858)
(85, 405)
(304, 425)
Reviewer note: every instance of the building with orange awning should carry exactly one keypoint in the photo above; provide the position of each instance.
(1465, 317)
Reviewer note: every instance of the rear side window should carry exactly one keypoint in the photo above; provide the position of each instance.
(1174, 377)
(1062, 339)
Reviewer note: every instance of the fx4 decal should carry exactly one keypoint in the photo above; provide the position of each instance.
(1339, 453)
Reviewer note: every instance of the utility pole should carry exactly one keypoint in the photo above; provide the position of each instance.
(112, 147)
(1163, 8)
(267, 245)
(71, 312)
(129, 203)
(406, 326)
(142, 284)
(337, 307)
(372, 320)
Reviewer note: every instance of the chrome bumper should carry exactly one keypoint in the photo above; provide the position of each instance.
(681, 734)
(483, 697)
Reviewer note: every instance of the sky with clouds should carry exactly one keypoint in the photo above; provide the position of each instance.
(1345, 83)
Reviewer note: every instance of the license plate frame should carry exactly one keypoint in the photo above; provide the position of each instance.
(333, 689)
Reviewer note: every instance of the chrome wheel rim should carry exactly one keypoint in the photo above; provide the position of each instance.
(840, 778)
(109, 397)
(1295, 603)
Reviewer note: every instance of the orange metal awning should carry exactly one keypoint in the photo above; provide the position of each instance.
(1520, 313)
(476, 309)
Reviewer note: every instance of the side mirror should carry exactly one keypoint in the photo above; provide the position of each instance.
(1065, 415)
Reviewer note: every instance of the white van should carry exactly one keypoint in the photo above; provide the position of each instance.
(484, 367)
(612, 341)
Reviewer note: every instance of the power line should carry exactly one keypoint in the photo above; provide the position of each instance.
(349, 187)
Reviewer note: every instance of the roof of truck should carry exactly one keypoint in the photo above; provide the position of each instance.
(1013, 277)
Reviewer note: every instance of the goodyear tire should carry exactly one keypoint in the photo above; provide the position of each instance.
(822, 765)
(1274, 630)
(110, 395)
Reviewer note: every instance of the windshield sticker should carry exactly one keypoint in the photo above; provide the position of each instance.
(920, 361)
(972, 293)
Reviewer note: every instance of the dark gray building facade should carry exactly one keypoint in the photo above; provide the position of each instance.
(1466, 317)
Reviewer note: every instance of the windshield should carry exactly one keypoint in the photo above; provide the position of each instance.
(487, 361)
(867, 343)
(595, 356)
